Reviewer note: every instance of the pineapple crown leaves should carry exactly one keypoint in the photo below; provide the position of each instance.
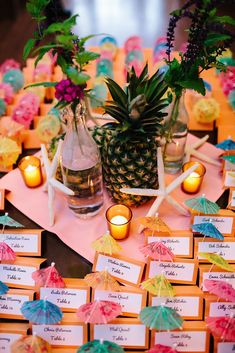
(139, 109)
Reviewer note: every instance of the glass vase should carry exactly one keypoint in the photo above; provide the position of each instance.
(81, 165)
(175, 135)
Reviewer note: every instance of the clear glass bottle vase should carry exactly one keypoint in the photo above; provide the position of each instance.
(81, 165)
(175, 136)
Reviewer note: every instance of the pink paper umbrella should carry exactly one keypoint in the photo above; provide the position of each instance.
(157, 251)
(222, 289)
(159, 348)
(48, 277)
(99, 312)
(222, 327)
(6, 252)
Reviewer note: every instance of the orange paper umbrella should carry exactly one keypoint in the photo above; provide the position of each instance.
(30, 344)
(106, 245)
(102, 280)
(155, 224)
(159, 286)
(9, 152)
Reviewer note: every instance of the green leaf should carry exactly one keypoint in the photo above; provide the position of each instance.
(62, 27)
(86, 56)
(176, 13)
(214, 38)
(79, 78)
(225, 19)
(28, 47)
(212, 12)
(116, 92)
(195, 84)
(62, 62)
(66, 40)
(44, 84)
(83, 40)
(36, 7)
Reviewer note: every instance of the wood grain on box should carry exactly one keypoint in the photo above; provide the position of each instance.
(24, 242)
(11, 302)
(215, 273)
(225, 248)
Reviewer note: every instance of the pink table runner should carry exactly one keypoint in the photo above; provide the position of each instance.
(78, 234)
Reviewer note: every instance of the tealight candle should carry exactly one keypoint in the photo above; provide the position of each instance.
(31, 172)
(192, 184)
(119, 218)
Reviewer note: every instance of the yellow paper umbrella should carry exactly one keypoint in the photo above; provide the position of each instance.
(159, 286)
(217, 260)
(155, 224)
(32, 344)
(48, 128)
(102, 280)
(9, 152)
(106, 245)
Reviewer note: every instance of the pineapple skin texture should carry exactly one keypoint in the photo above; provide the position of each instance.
(127, 165)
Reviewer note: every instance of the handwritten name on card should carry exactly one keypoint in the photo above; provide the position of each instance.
(187, 341)
(11, 303)
(223, 224)
(6, 340)
(226, 249)
(185, 306)
(176, 272)
(17, 275)
(61, 335)
(65, 298)
(180, 246)
(224, 276)
(226, 347)
(23, 242)
(124, 269)
(218, 309)
(126, 335)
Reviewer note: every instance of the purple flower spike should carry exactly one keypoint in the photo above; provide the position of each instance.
(67, 91)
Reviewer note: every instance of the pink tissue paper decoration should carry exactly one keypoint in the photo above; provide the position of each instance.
(228, 80)
(42, 72)
(30, 99)
(23, 115)
(6, 92)
(133, 43)
(106, 54)
(9, 64)
(138, 66)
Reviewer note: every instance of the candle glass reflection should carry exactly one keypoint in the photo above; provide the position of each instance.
(30, 168)
(119, 219)
(192, 184)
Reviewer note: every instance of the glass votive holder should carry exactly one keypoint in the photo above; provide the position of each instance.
(119, 220)
(192, 184)
(30, 168)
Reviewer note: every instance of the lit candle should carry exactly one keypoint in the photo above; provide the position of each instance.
(30, 168)
(192, 183)
(118, 218)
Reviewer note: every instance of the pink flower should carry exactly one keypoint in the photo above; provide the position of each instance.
(67, 91)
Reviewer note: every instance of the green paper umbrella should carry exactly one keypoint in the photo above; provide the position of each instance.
(202, 204)
(160, 318)
(100, 346)
(231, 159)
(6, 220)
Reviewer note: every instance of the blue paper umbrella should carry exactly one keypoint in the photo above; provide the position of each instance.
(202, 204)
(208, 230)
(160, 317)
(3, 288)
(231, 159)
(226, 145)
(100, 346)
(41, 312)
(6, 220)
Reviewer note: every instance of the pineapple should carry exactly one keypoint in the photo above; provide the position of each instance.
(128, 146)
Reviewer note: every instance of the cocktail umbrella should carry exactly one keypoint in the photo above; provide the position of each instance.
(3, 288)
(6, 252)
(208, 230)
(160, 318)
(226, 145)
(217, 260)
(157, 251)
(6, 220)
(48, 277)
(106, 245)
(102, 280)
(203, 205)
(231, 159)
(99, 311)
(222, 289)
(100, 346)
(222, 327)
(41, 312)
(155, 224)
(159, 348)
(159, 286)
(30, 344)
(9, 152)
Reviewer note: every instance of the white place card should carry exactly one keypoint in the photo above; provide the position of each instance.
(223, 276)
(228, 166)
(179, 245)
(226, 347)
(124, 269)
(223, 224)
(6, 340)
(11, 302)
(225, 248)
(219, 309)
(231, 200)
(187, 341)
(185, 306)
(183, 271)
(25, 242)
(229, 179)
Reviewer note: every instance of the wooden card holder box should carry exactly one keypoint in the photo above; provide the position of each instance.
(75, 294)
(216, 307)
(2, 199)
(188, 302)
(9, 333)
(64, 350)
(69, 333)
(128, 333)
(215, 273)
(231, 199)
(225, 248)
(224, 347)
(193, 338)
(11, 302)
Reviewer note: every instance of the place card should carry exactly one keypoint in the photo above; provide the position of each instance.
(128, 333)
(75, 294)
(223, 221)
(122, 268)
(224, 347)
(69, 333)
(19, 274)
(188, 302)
(216, 307)
(2, 199)
(131, 299)
(229, 179)
(231, 199)
(225, 248)
(179, 242)
(180, 271)
(193, 338)
(9, 333)
(26, 242)
(215, 273)
(11, 302)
